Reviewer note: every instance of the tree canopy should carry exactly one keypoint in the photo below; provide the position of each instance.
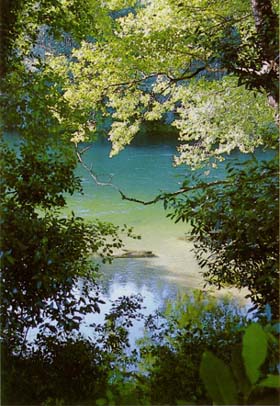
(138, 61)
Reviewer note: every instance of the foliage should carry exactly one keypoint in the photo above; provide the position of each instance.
(69, 371)
(43, 254)
(49, 277)
(48, 273)
(208, 131)
(235, 228)
(143, 69)
(72, 369)
(136, 65)
(162, 57)
(22, 21)
(243, 381)
(174, 344)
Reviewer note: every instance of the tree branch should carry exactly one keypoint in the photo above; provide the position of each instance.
(79, 154)
(163, 196)
(190, 75)
(158, 198)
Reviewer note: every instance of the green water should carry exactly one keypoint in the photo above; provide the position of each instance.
(142, 172)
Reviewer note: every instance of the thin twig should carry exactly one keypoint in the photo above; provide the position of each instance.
(90, 171)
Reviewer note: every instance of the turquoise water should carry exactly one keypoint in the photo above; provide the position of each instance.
(142, 172)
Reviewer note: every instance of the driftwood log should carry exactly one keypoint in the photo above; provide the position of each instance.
(135, 254)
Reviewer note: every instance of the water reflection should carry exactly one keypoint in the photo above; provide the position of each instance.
(128, 277)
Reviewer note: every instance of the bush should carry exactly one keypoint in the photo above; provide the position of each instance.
(235, 228)
(172, 350)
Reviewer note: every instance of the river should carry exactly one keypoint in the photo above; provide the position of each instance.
(142, 171)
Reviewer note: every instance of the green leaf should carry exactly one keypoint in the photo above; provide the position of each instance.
(254, 350)
(239, 372)
(271, 381)
(218, 380)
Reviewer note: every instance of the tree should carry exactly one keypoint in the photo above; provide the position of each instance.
(153, 58)
(138, 67)
(48, 260)
(45, 256)
(235, 229)
(142, 70)
(22, 21)
(213, 66)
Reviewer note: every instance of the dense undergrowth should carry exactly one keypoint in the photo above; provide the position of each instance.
(165, 368)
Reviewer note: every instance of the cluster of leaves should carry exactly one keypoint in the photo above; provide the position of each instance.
(43, 254)
(172, 349)
(73, 369)
(48, 274)
(142, 70)
(136, 68)
(198, 351)
(49, 283)
(22, 21)
(245, 382)
(195, 352)
(206, 129)
(253, 50)
(235, 228)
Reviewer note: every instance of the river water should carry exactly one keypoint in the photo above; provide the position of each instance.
(143, 171)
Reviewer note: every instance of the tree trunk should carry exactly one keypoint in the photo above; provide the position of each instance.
(266, 22)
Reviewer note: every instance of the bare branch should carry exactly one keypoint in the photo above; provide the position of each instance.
(164, 196)
(82, 151)
(158, 198)
(90, 171)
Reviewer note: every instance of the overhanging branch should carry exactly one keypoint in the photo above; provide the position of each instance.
(160, 197)
(156, 199)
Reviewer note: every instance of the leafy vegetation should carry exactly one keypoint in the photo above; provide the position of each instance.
(143, 70)
(172, 351)
(70, 368)
(235, 228)
(242, 384)
(170, 367)
(43, 254)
